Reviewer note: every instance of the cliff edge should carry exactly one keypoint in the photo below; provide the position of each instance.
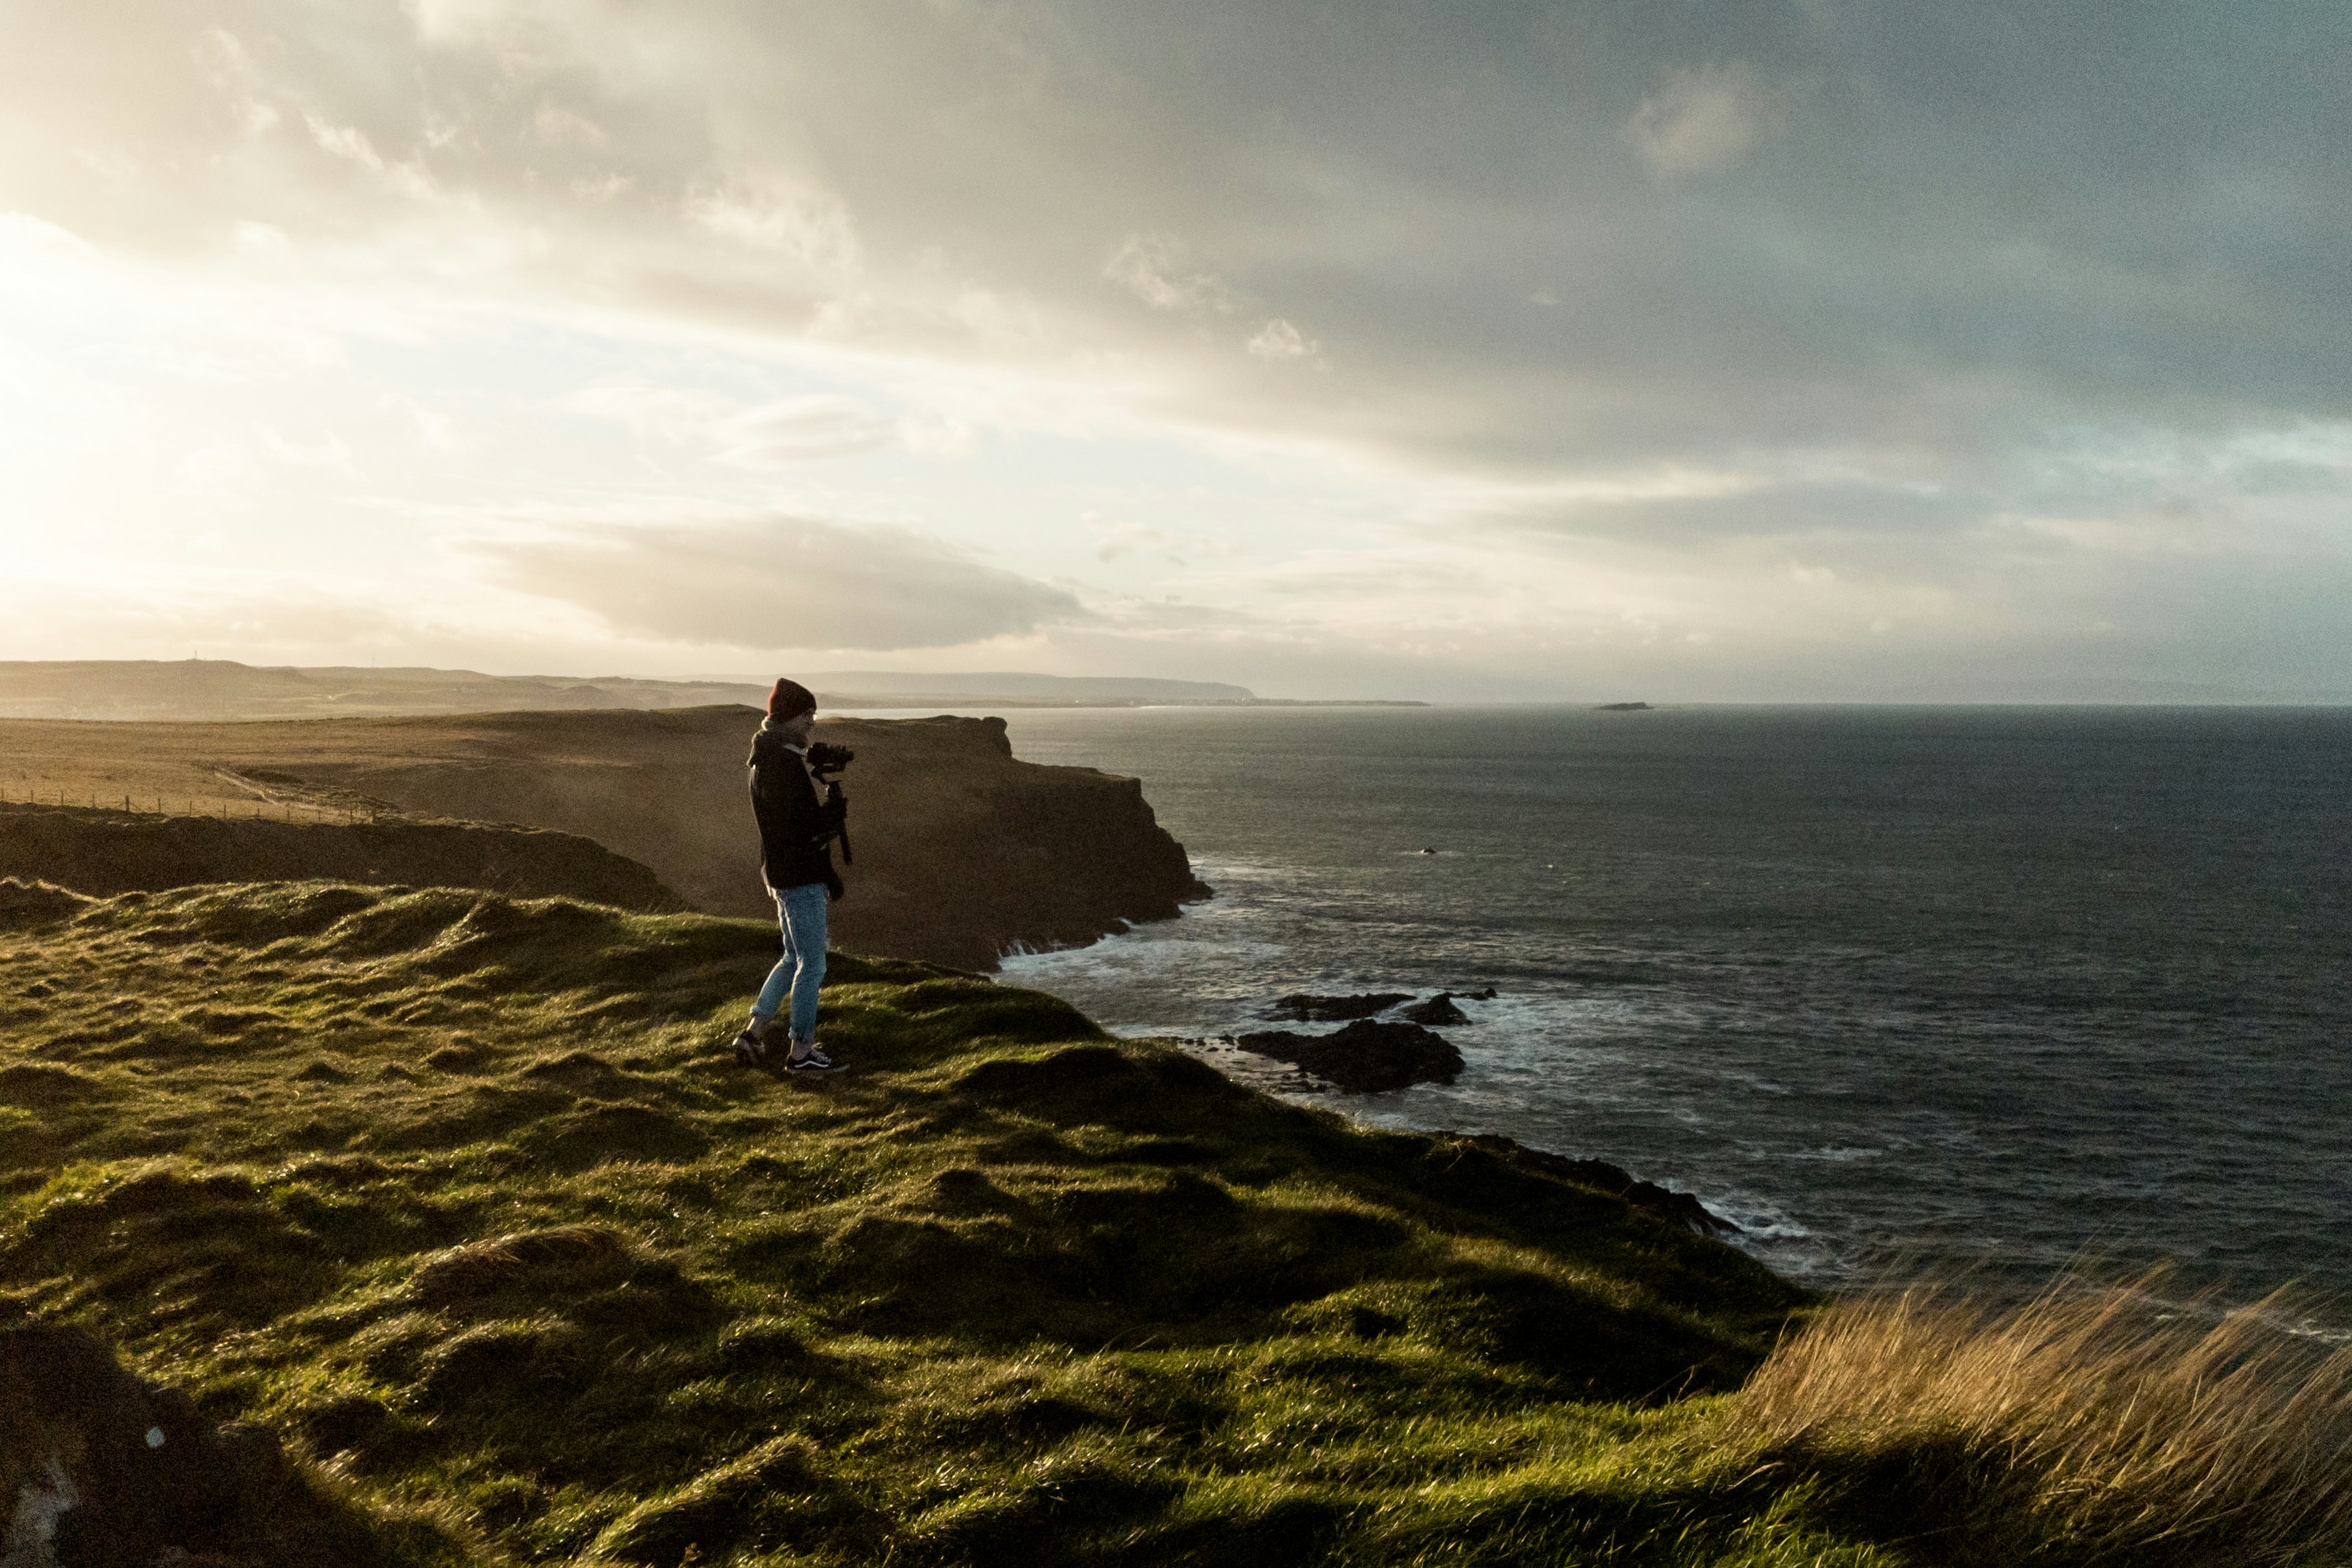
(455, 1206)
(964, 852)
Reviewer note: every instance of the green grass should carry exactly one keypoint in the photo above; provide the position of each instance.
(462, 1196)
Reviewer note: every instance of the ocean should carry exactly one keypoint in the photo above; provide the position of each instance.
(1898, 990)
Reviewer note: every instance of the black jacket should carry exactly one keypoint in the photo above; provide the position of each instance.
(796, 832)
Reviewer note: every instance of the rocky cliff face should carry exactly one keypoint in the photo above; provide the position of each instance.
(963, 851)
(960, 846)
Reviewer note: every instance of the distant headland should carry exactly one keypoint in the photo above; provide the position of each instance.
(223, 689)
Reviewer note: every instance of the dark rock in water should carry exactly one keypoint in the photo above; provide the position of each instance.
(1439, 1008)
(1366, 1057)
(1679, 1206)
(100, 1467)
(1622, 707)
(1305, 1009)
(1488, 995)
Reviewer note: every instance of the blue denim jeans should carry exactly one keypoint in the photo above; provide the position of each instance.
(800, 911)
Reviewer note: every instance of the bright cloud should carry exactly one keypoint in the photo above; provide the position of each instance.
(1278, 339)
(1153, 270)
(801, 429)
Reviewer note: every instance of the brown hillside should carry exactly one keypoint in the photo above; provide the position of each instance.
(962, 851)
(109, 851)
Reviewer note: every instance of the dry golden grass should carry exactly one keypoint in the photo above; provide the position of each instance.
(2092, 1424)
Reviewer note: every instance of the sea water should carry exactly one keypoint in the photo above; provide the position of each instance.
(1891, 988)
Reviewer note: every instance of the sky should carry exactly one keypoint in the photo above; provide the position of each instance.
(1675, 351)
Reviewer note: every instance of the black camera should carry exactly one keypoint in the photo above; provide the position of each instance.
(827, 761)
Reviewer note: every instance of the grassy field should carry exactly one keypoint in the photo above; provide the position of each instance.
(462, 1196)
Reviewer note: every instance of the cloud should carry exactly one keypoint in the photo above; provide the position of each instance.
(774, 434)
(1701, 121)
(807, 225)
(1151, 268)
(560, 127)
(2067, 239)
(1278, 339)
(1983, 275)
(804, 429)
(1117, 541)
(782, 582)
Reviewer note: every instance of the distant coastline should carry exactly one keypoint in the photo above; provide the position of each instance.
(216, 690)
(868, 702)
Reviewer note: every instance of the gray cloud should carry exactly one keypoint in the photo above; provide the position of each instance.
(1701, 121)
(1153, 270)
(1922, 228)
(785, 582)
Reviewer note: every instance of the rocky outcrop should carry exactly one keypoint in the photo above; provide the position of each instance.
(1365, 1058)
(963, 853)
(1679, 1206)
(105, 852)
(1437, 1009)
(1306, 1007)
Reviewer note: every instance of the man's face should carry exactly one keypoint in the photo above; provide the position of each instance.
(796, 729)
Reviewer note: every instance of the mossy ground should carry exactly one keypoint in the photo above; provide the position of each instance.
(464, 1196)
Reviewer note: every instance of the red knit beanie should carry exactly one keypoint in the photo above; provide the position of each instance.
(789, 700)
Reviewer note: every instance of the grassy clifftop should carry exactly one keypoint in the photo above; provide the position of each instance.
(457, 1194)
(459, 1197)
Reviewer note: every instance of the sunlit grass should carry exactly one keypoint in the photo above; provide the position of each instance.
(2113, 1423)
(463, 1198)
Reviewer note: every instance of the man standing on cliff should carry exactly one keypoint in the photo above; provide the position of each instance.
(797, 834)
